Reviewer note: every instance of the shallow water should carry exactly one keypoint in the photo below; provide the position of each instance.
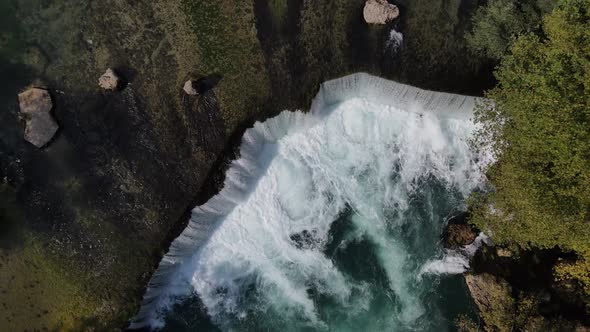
(339, 230)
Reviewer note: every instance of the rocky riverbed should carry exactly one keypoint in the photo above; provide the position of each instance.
(87, 217)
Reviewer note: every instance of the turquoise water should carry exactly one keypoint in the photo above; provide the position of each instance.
(340, 231)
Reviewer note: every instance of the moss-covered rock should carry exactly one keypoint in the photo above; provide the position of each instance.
(493, 297)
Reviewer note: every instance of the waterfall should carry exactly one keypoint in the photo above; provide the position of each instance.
(368, 151)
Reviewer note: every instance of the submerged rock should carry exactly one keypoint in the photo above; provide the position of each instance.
(109, 80)
(380, 12)
(189, 89)
(35, 105)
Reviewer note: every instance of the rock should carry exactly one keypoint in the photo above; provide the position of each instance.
(503, 252)
(459, 235)
(35, 106)
(379, 12)
(189, 88)
(109, 80)
(494, 300)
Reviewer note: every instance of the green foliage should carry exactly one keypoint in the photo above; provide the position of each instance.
(497, 23)
(466, 324)
(539, 130)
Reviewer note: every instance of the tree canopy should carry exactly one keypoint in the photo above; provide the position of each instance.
(539, 131)
(499, 21)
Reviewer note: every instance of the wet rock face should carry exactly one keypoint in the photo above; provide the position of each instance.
(109, 80)
(459, 232)
(459, 235)
(380, 12)
(35, 105)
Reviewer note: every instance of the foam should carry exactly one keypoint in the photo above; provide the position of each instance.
(297, 172)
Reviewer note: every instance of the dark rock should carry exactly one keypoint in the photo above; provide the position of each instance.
(459, 233)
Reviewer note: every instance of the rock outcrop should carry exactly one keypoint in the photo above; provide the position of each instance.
(380, 12)
(459, 235)
(189, 89)
(493, 298)
(109, 80)
(35, 106)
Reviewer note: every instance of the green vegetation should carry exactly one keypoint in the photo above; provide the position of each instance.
(435, 54)
(38, 294)
(324, 42)
(496, 24)
(227, 45)
(466, 324)
(539, 130)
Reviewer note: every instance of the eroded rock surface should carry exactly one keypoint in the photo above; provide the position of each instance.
(35, 105)
(380, 12)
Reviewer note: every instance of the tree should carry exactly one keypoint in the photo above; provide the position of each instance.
(498, 22)
(539, 131)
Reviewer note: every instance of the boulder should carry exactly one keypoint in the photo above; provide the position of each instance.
(380, 12)
(459, 235)
(189, 89)
(109, 80)
(35, 106)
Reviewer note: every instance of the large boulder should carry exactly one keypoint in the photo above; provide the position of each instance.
(380, 12)
(459, 235)
(109, 80)
(35, 106)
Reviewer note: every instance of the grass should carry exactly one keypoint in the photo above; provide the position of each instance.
(37, 294)
(227, 45)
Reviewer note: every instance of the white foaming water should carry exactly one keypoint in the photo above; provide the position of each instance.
(455, 261)
(395, 41)
(329, 220)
